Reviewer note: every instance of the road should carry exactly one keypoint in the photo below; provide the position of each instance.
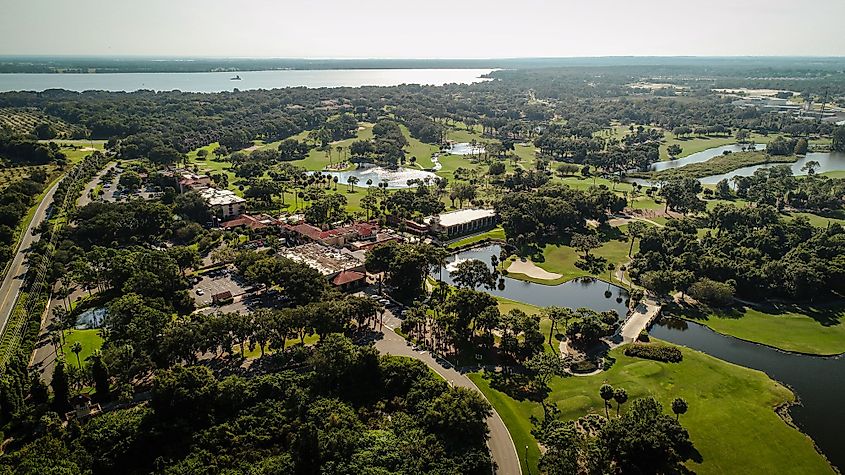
(13, 279)
(500, 443)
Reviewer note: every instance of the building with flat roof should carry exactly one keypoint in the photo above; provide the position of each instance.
(340, 267)
(223, 203)
(456, 223)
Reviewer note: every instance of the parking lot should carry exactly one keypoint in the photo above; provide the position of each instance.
(216, 282)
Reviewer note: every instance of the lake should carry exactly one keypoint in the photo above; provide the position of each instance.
(699, 157)
(828, 162)
(222, 81)
(397, 178)
(585, 292)
(819, 382)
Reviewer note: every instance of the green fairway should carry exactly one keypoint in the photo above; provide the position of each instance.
(495, 233)
(812, 329)
(731, 418)
(90, 340)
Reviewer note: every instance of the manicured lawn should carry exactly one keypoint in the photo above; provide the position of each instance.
(731, 417)
(561, 259)
(813, 329)
(495, 233)
(90, 340)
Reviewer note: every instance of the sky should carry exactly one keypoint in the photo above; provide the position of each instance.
(422, 28)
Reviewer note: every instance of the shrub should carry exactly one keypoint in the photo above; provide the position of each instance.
(667, 354)
(583, 366)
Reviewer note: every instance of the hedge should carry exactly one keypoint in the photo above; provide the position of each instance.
(667, 354)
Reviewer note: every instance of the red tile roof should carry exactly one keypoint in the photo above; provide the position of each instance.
(347, 276)
(245, 220)
(315, 233)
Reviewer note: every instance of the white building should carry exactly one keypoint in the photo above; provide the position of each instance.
(223, 203)
(456, 223)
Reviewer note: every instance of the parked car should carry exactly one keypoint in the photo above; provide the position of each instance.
(200, 292)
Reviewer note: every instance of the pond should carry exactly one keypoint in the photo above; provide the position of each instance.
(91, 318)
(397, 178)
(819, 382)
(828, 162)
(701, 156)
(465, 148)
(585, 292)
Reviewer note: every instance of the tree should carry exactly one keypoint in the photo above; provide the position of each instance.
(839, 139)
(659, 282)
(810, 167)
(674, 150)
(76, 348)
(100, 373)
(472, 273)
(352, 180)
(61, 388)
(679, 406)
(585, 243)
(711, 292)
(801, 147)
(636, 229)
(544, 366)
(621, 397)
(606, 393)
(130, 180)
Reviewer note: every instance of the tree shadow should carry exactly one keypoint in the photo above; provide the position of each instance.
(517, 385)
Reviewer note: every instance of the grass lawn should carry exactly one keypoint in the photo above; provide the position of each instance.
(731, 417)
(90, 340)
(561, 259)
(812, 329)
(495, 233)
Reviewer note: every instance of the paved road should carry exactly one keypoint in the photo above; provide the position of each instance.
(501, 445)
(13, 279)
(640, 319)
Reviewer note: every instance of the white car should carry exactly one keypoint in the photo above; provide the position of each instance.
(200, 292)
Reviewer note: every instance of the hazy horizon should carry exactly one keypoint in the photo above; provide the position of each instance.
(437, 29)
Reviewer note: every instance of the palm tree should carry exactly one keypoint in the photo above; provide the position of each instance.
(606, 393)
(352, 180)
(335, 180)
(56, 340)
(636, 229)
(621, 397)
(679, 406)
(76, 348)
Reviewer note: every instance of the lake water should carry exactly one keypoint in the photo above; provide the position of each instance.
(701, 156)
(465, 148)
(585, 292)
(222, 81)
(819, 382)
(828, 162)
(395, 178)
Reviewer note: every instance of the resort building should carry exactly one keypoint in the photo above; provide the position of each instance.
(455, 223)
(223, 203)
(259, 222)
(340, 267)
(338, 237)
(193, 182)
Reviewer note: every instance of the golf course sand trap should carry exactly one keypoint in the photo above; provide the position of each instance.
(531, 270)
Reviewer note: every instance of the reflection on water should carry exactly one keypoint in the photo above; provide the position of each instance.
(397, 178)
(583, 292)
(819, 382)
(701, 156)
(464, 148)
(828, 162)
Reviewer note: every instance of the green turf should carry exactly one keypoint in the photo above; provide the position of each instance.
(813, 329)
(731, 417)
(90, 340)
(495, 233)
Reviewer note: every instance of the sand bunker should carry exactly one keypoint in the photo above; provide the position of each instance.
(531, 270)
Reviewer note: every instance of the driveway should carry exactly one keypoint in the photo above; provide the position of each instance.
(500, 443)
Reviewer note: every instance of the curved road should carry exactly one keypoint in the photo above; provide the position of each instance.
(13, 279)
(500, 443)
